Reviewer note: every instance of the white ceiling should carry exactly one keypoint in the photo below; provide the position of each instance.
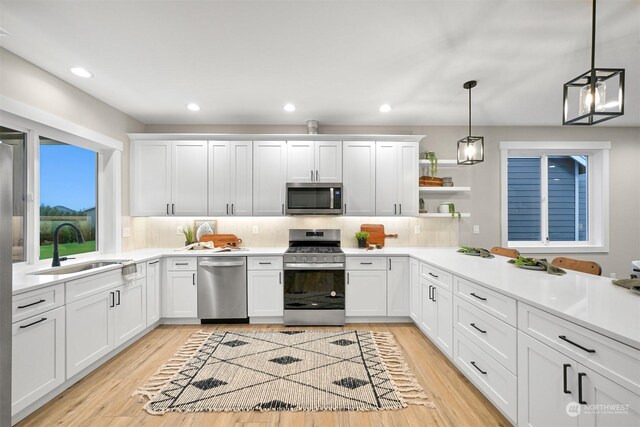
(337, 61)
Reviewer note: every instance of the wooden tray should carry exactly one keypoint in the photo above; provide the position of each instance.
(221, 239)
(376, 234)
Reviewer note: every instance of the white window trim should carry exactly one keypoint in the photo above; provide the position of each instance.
(36, 123)
(598, 152)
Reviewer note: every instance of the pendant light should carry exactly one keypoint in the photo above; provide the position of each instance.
(594, 96)
(470, 148)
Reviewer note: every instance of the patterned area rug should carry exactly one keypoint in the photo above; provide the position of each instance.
(285, 370)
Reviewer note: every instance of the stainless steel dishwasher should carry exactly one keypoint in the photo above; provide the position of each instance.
(222, 289)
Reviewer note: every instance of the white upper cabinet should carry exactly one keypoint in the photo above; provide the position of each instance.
(314, 161)
(230, 184)
(359, 178)
(396, 178)
(189, 178)
(168, 178)
(269, 177)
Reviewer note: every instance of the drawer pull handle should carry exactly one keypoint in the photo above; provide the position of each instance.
(34, 323)
(112, 296)
(366, 263)
(480, 298)
(580, 376)
(434, 275)
(430, 288)
(564, 378)
(33, 303)
(264, 263)
(154, 262)
(564, 338)
(476, 366)
(474, 325)
(193, 280)
(182, 263)
(118, 294)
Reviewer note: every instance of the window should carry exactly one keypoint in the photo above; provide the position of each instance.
(555, 196)
(68, 177)
(17, 140)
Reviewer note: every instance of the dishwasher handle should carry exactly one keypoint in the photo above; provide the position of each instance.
(221, 264)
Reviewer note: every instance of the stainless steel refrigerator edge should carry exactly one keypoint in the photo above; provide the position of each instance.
(6, 212)
(222, 288)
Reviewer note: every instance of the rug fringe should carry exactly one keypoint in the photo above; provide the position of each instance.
(167, 371)
(402, 378)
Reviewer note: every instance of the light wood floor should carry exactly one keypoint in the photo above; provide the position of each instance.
(103, 398)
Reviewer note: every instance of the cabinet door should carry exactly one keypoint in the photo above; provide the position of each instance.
(300, 161)
(359, 178)
(387, 178)
(620, 407)
(328, 161)
(153, 292)
(415, 291)
(429, 316)
(37, 357)
(398, 286)
(408, 179)
(265, 293)
(241, 174)
(181, 293)
(89, 330)
(220, 168)
(443, 334)
(189, 178)
(150, 178)
(130, 311)
(269, 177)
(542, 397)
(366, 293)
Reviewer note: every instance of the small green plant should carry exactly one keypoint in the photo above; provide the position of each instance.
(433, 163)
(453, 212)
(189, 234)
(362, 235)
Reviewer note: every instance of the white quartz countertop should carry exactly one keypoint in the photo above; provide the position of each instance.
(585, 299)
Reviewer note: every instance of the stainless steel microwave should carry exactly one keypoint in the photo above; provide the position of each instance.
(317, 198)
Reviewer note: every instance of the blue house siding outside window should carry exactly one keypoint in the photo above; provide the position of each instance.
(524, 198)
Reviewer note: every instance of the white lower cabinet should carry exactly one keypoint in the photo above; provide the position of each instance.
(265, 293)
(398, 286)
(415, 291)
(437, 315)
(153, 291)
(37, 357)
(181, 294)
(366, 293)
(131, 310)
(554, 389)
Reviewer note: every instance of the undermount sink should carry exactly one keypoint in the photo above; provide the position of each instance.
(76, 268)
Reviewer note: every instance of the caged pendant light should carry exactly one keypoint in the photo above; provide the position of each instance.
(470, 148)
(594, 96)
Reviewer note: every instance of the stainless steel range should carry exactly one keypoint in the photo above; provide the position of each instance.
(314, 278)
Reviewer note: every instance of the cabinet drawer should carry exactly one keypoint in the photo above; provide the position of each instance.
(264, 263)
(495, 337)
(182, 263)
(496, 382)
(366, 263)
(610, 358)
(441, 277)
(35, 302)
(494, 303)
(91, 285)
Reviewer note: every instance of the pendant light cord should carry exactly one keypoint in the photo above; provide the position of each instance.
(469, 111)
(593, 38)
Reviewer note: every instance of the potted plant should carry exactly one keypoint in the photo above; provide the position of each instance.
(433, 163)
(362, 237)
(453, 212)
(189, 235)
(430, 180)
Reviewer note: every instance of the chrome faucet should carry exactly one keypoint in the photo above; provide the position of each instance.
(56, 255)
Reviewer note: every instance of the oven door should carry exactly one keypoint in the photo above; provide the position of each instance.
(314, 289)
(314, 199)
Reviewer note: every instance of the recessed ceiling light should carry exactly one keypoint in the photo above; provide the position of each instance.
(385, 108)
(192, 106)
(289, 108)
(81, 72)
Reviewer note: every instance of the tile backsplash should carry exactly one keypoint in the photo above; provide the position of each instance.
(158, 232)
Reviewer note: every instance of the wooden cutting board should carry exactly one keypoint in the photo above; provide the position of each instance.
(221, 239)
(376, 233)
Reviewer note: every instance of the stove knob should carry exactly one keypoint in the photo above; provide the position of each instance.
(314, 259)
(335, 259)
(293, 259)
(324, 259)
(304, 259)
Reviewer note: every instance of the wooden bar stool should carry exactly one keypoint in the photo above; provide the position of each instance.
(511, 253)
(578, 265)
